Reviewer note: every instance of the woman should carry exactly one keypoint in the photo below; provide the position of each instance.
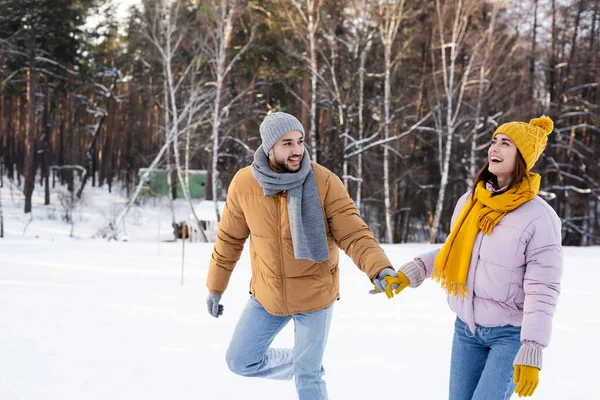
(501, 266)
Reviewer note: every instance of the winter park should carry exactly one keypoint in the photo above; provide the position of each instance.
(299, 199)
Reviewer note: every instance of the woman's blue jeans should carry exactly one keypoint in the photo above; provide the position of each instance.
(250, 355)
(481, 366)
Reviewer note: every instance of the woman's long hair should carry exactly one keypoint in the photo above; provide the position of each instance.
(485, 175)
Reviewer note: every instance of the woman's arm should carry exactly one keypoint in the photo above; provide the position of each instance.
(422, 266)
(541, 283)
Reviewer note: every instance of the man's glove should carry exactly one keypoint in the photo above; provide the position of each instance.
(381, 283)
(214, 308)
(527, 379)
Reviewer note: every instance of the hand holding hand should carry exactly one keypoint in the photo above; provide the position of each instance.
(396, 284)
(380, 283)
(393, 285)
(527, 379)
(214, 308)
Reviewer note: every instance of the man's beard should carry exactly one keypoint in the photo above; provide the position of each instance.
(282, 165)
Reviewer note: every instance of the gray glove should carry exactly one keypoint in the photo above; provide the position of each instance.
(214, 308)
(381, 283)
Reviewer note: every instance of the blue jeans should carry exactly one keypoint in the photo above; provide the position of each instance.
(481, 366)
(249, 353)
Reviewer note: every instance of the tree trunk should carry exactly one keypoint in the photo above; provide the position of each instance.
(449, 91)
(47, 131)
(17, 134)
(215, 140)
(313, 85)
(186, 190)
(593, 33)
(361, 123)
(532, 57)
(473, 150)
(386, 154)
(443, 183)
(112, 228)
(172, 191)
(574, 40)
(30, 138)
(552, 67)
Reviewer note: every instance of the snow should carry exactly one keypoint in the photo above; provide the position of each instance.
(83, 318)
(205, 210)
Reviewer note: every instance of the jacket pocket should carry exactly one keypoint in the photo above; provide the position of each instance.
(333, 275)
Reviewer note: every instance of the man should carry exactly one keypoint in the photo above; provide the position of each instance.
(296, 213)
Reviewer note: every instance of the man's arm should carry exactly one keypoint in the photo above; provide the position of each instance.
(350, 232)
(233, 232)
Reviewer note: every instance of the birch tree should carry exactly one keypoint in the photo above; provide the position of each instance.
(333, 83)
(195, 104)
(368, 42)
(497, 49)
(169, 26)
(224, 13)
(454, 81)
(572, 84)
(308, 10)
(391, 18)
(357, 43)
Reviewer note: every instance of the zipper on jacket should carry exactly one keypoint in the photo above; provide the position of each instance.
(285, 305)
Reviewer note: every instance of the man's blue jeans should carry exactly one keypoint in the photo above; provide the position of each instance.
(482, 362)
(249, 353)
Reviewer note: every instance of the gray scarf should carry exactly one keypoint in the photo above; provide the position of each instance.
(304, 206)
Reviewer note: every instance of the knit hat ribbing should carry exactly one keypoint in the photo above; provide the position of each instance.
(530, 138)
(276, 125)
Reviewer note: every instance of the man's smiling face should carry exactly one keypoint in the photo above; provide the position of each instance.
(287, 154)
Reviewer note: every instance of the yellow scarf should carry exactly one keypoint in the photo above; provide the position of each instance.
(451, 265)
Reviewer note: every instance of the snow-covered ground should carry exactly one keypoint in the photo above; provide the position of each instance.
(83, 318)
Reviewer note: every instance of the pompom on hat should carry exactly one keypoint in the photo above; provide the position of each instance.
(530, 138)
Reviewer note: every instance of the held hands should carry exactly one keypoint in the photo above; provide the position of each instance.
(396, 284)
(527, 379)
(214, 308)
(390, 284)
(380, 283)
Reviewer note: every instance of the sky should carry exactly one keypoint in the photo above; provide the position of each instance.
(121, 8)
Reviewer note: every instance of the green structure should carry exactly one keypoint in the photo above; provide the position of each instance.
(157, 184)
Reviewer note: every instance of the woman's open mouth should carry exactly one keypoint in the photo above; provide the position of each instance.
(495, 160)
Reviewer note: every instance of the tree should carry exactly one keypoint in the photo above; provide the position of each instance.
(349, 45)
(222, 16)
(391, 18)
(43, 36)
(454, 82)
(308, 10)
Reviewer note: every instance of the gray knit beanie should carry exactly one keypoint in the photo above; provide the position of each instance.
(275, 126)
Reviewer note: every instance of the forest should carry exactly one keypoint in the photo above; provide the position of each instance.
(399, 98)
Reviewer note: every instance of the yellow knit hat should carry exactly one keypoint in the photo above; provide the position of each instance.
(530, 138)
